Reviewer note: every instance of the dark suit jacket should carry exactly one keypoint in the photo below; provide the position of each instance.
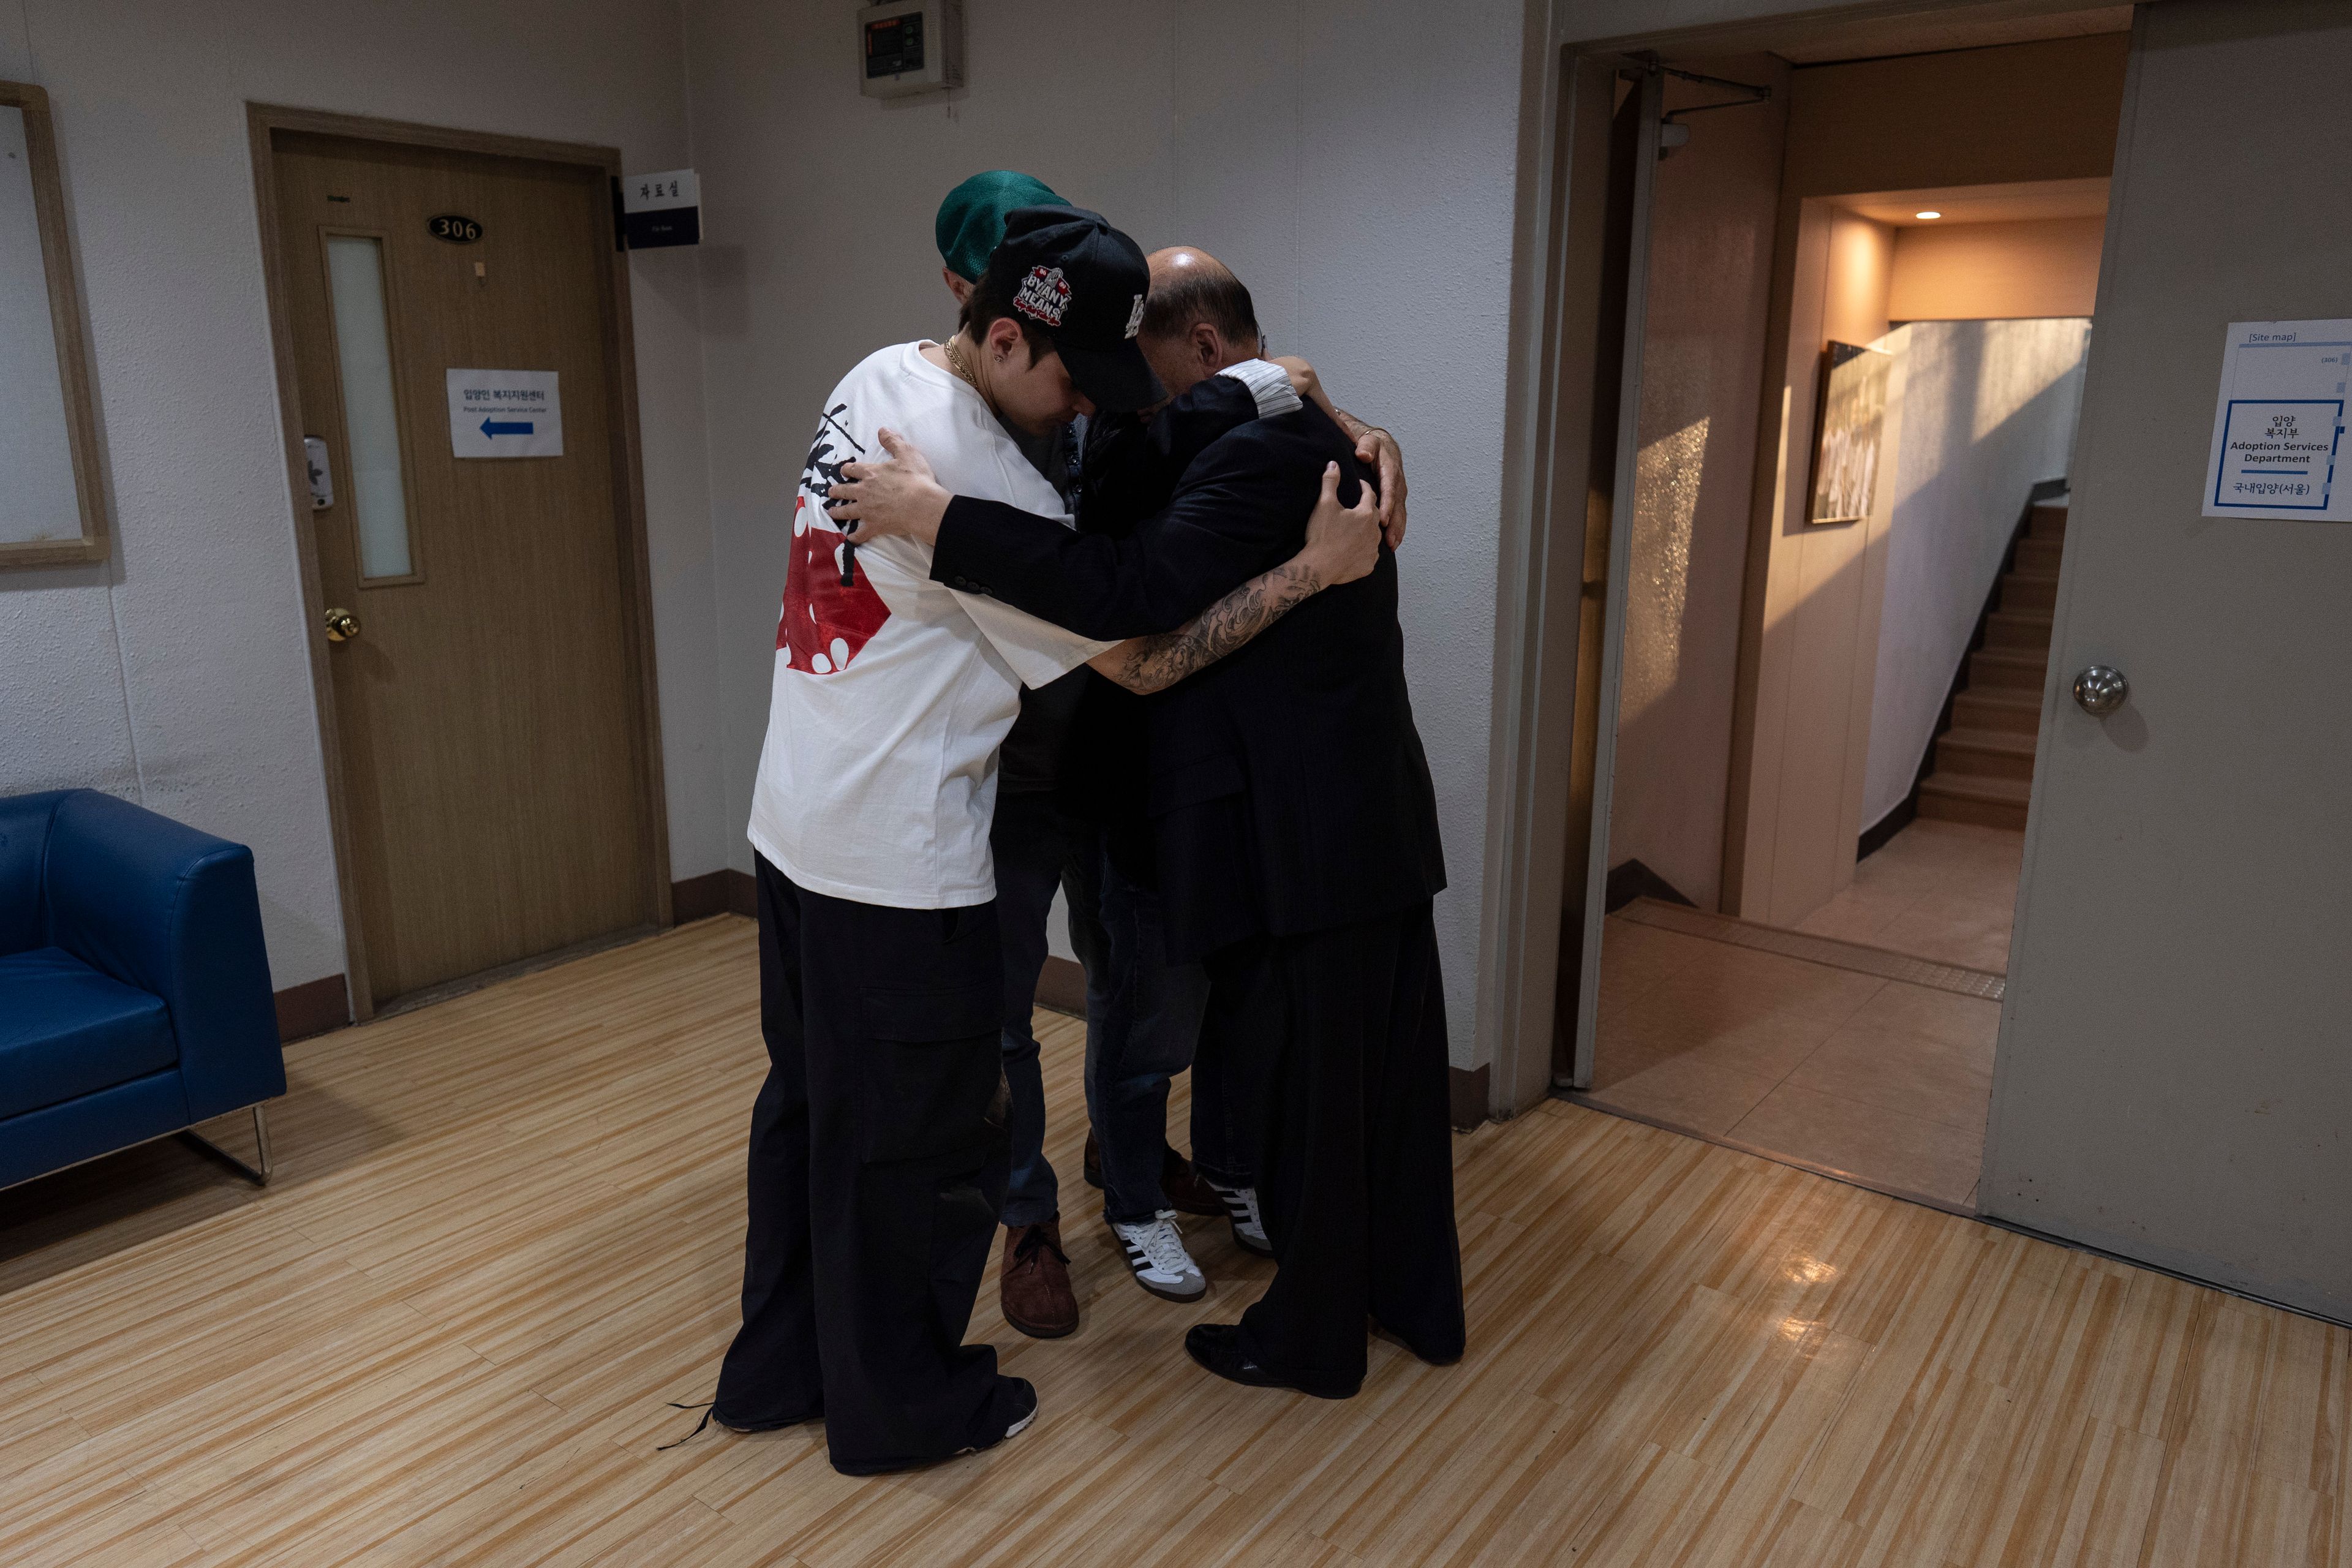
(1132, 467)
(1287, 788)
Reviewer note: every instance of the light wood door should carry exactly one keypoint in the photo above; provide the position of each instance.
(492, 730)
(2172, 1080)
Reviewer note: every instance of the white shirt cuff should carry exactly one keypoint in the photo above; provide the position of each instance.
(1268, 383)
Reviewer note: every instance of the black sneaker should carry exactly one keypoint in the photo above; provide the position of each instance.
(1023, 1400)
(1218, 1347)
(1024, 1411)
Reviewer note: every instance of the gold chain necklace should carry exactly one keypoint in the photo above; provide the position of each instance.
(955, 363)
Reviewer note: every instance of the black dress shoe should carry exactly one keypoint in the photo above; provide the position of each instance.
(1218, 1347)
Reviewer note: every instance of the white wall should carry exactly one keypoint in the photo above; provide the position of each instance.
(1353, 163)
(1357, 164)
(176, 673)
(1989, 409)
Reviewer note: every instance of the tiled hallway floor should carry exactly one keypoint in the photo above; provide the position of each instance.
(1944, 890)
(1878, 1079)
(1882, 1081)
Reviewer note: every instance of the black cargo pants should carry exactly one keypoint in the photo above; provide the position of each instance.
(877, 1170)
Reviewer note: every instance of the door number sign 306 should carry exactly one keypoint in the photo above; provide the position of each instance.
(455, 228)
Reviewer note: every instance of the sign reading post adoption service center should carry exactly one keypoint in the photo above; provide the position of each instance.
(505, 414)
(2280, 423)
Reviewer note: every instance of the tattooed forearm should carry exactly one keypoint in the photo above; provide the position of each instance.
(1155, 663)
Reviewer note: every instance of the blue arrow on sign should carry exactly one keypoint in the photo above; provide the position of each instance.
(497, 428)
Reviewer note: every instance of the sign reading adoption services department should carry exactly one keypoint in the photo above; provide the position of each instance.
(2278, 428)
(505, 414)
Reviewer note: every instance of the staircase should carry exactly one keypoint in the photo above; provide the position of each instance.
(1982, 768)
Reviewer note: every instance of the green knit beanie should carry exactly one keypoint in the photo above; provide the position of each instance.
(972, 220)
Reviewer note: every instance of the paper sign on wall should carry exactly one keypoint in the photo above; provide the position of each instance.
(505, 414)
(2279, 422)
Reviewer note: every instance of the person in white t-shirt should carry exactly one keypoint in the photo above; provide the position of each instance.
(877, 1154)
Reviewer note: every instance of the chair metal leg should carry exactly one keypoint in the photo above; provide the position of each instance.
(260, 1177)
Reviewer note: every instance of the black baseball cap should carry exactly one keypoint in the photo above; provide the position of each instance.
(1084, 282)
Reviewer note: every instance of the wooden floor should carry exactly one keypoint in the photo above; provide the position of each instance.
(505, 1231)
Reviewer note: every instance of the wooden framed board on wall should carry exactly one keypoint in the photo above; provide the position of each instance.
(67, 531)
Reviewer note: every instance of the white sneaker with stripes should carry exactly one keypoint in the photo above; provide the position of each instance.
(1249, 1226)
(1155, 1250)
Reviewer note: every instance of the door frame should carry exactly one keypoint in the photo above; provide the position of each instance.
(1592, 767)
(1554, 307)
(263, 120)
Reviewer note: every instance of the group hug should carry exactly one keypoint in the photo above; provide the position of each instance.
(1094, 597)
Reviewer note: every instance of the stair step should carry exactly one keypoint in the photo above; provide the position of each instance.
(2013, 790)
(2009, 669)
(2017, 629)
(1989, 802)
(2009, 713)
(2047, 523)
(2039, 555)
(1983, 754)
(2032, 592)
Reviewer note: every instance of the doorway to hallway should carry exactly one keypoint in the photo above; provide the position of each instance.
(1828, 706)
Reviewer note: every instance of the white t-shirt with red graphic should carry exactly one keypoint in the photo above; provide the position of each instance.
(878, 781)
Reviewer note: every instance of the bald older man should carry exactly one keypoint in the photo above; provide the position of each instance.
(1286, 814)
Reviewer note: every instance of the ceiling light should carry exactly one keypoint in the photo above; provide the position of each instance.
(1930, 213)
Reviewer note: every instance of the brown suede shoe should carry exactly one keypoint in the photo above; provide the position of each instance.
(1034, 1288)
(1187, 1192)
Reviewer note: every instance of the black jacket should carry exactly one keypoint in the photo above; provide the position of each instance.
(1287, 788)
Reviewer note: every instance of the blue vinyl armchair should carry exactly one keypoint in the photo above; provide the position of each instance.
(134, 993)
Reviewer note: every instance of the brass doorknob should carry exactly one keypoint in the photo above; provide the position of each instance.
(342, 626)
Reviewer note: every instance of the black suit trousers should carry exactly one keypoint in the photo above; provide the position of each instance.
(1340, 1036)
(878, 1170)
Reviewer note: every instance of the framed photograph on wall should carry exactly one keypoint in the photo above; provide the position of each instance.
(1852, 419)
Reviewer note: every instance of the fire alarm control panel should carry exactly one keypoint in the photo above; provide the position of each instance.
(910, 46)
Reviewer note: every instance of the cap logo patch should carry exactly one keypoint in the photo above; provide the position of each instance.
(1044, 295)
(1134, 317)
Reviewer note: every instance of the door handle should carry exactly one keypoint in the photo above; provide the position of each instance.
(2101, 690)
(342, 626)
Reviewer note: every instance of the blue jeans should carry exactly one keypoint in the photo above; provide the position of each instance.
(1031, 840)
(1143, 1021)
